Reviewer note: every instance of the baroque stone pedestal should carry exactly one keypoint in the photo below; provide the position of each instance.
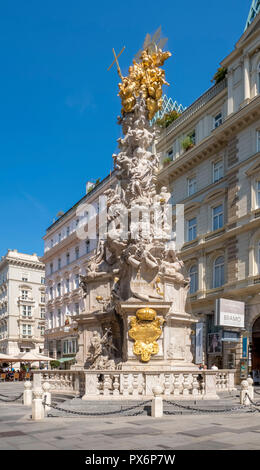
(174, 350)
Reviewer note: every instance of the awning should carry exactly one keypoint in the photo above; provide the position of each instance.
(65, 359)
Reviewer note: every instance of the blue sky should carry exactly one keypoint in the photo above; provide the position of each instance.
(59, 105)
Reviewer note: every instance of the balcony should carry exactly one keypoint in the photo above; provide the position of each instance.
(196, 106)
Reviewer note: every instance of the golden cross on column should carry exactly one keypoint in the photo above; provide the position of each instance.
(117, 63)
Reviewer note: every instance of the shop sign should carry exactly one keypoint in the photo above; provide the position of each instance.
(231, 336)
(230, 313)
(244, 346)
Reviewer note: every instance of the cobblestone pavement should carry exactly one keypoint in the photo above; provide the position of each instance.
(227, 431)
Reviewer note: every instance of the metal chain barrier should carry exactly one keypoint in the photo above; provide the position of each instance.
(257, 393)
(202, 410)
(10, 400)
(251, 401)
(83, 413)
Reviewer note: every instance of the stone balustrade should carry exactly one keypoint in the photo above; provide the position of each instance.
(63, 381)
(138, 385)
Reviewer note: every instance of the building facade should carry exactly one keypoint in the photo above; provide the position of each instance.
(214, 147)
(68, 245)
(22, 303)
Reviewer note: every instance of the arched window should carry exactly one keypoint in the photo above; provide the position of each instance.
(193, 273)
(218, 273)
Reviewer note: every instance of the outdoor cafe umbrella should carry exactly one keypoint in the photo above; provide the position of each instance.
(7, 358)
(32, 356)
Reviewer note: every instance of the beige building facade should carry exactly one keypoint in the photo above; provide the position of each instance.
(217, 178)
(22, 303)
(68, 245)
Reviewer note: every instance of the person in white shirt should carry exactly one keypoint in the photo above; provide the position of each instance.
(214, 367)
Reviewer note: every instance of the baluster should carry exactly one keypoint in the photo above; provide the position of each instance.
(177, 385)
(141, 386)
(135, 384)
(116, 386)
(130, 385)
(185, 385)
(218, 380)
(125, 385)
(225, 381)
(195, 385)
(107, 384)
(167, 385)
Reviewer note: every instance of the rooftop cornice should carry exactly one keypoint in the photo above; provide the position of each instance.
(213, 143)
(208, 98)
(89, 197)
(21, 262)
(246, 37)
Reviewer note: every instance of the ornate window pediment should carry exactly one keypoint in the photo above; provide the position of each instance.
(214, 194)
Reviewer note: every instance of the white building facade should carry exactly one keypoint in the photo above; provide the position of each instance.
(68, 245)
(217, 178)
(22, 303)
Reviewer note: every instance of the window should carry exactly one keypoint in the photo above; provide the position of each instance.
(218, 274)
(51, 293)
(68, 258)
(67, 285)
(42, 298)
(218, 171)
(170, 154)
(42, 280)
(59, 263)
(24, 294)
(258, 78)
(51, 320)
(258, 193)
(192, 229)
(77, 309)
(68, 231)
(59, 317)
(51, 243)
(87, 246)
(217, 217)
(217, 120)
(42, 312)
(258, 257)
(27, 330)
(192, 136)
(77, 281)
(258, 141)
(25, 279)
(77, 252)
(27, 311)
(59, 237)
(59, 289)
(191, 186)
(77, 222)
(69, 346)
(193, 279)
(42, 328)
(51, 268)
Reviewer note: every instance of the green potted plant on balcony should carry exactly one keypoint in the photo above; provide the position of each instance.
(166, 161)
(220, 75)
(167, 119)
(187, 143)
